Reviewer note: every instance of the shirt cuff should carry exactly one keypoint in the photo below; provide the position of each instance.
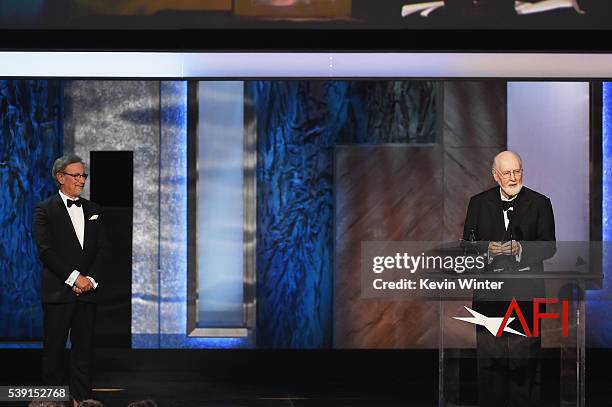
(520, 253)
(72, 278)
(93, 282)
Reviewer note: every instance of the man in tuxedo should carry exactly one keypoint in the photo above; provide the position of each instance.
(515, 228)
(71, 240)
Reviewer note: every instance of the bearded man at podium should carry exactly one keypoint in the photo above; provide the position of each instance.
(515, 228)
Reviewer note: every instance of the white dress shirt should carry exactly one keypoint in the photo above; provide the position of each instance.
(503, 198)
(77, 217)
(506, 223)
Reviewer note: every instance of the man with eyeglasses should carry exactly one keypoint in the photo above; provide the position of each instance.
(72, 247)
(514, 227)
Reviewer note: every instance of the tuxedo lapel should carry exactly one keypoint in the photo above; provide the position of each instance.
(522, 207)
(67, 228)
(88, 229)
(495, 212)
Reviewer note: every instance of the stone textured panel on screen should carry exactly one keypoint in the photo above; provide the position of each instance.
(173, 209)
(124, 115)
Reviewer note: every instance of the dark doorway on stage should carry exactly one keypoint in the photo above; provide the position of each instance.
(112, 186)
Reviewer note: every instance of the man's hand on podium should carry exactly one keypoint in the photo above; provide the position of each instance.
(515, 248)
(511, 247)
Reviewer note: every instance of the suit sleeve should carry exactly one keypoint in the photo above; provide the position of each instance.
(44, 242)
(96, 271)
(546, 223)
(470, 222)
(470, 228)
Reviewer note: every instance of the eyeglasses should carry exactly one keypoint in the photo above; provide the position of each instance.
(508, 174)
(77, 176)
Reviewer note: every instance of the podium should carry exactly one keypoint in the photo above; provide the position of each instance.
(562, 347)
(509, 330)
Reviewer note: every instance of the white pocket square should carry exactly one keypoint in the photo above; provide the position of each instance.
(93, 217)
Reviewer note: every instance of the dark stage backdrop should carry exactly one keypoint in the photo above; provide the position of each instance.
(328, 14)
(299, 123)
(31, 137)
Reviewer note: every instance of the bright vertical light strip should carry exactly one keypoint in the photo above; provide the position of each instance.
(599, 313)
(220, 204)
(173, 230)
(606, 164)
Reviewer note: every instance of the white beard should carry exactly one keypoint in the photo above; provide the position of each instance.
(512, 191)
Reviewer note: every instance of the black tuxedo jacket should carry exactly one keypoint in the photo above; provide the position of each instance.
(61, 253)
(532, 224)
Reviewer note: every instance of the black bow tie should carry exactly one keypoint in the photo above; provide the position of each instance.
(70, 202)
(508, 205)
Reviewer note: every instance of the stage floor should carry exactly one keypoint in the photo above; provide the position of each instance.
(247, 378)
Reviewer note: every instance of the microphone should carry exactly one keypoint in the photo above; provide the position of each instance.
(470, 245)
(516, 234)
(472, 235)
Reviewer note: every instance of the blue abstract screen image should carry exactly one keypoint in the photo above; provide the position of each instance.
(299, 123)
(598, 311)
(298, 126)
(31, 138)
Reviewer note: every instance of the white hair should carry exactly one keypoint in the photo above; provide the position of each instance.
(494, 165)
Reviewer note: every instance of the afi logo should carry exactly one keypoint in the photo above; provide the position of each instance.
(498, 325)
